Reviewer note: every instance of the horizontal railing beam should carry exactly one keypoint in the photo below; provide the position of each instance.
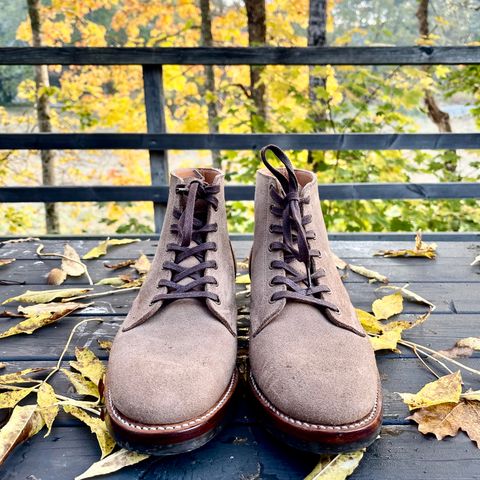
(159, 194)
(198, 141)
(408, 55)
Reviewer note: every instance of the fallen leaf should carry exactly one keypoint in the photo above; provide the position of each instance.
(446, 419)
(88, 365)
(47, 404)
(369, 322)
(409, 295)
(41, 315)
(243, 279)
(471, 395)
(10, 399)
(2, 365)
(337, 468)
(97, 426)
(19, 377)
(142, 264)
(463, 348)
(82, 385)
(117, 266)
(102, 247)
(421, 249)
(446, 389)
(387, 340)
(388, 306)
(371, 274)
(21, 240)
(114, 462)
(71, 263)
(470, 342)
(45, 296)
(476, 261)
(112, 281)
(24, 423)
(56, 276)
(105, 344)
(6, 261)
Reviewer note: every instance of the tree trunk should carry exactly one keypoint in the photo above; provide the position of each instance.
(440, 118)
(209, 91)
(43, 116)
(257, 36)
(317, 37)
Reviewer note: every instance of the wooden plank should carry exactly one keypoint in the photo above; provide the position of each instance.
(159, 194)
(405, 55)
(346, 247)
(440, 332)
(155, 113)
(244, 141)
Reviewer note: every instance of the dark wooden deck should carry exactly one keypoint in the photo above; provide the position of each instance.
(243, 450)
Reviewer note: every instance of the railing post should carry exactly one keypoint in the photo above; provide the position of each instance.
(155, 112)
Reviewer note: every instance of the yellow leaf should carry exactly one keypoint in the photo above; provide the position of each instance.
(446, 419)
(72, 265)
(421, 249)
(45, 296)
(41, 315)
(369, 322)
(24, 423)
(243, 279)
(101, 248)
(6, 261)
(97, 426)
(47, 403)
(387, 340)
(56, 276)
(82, 385)
(112, 281)
(105, 344)
(88, 365)
(142, 264)
(446, 389)
(471, 395)
(409, 295)
(385, 307)
(337, 468)
(18, 377)
(10, 399)
(112, 463)
(371, 274)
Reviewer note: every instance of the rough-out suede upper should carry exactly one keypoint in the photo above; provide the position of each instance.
(172, 361)
(307, 367)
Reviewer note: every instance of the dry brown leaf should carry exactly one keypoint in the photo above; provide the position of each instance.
(47, 404)
(117, 266)
(471, 395)
(463, 348)
(446, 389)
(10, 399)
(2, 365)
(142, 264)
(56, 276)
(20, 240)
(112, 281)
(6, 261)
(45, 296)
(470, 342)
(82, 385)
(421, 249)
(71, 263)
(114, 462)
(338, 467)
(97, 426)
(388, 306)
(105, 344)
(88, 365)
(24, 423)
(446, 419)
(371, 274)
(102, 247)
(19, 377)
(476, 261)
(41, 315)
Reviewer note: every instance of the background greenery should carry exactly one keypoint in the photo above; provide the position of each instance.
(348, 99)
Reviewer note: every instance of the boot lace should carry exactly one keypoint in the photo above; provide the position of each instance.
(288, 205)
(197, 197)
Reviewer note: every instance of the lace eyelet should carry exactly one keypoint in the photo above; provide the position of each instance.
(271, 300)
(327, 292)
(270, 229)
(216, 283)
(270, 248)
(270, 283)
(271, 208)
(217, 301)
(337, 311)
(215, 225)
(270, 267)
(214, 249)
(314, 236)
(215, 267)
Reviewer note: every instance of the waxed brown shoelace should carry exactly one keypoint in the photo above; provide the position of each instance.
(288, 206)
(191, 227)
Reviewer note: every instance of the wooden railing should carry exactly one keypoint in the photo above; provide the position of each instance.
(158, 141)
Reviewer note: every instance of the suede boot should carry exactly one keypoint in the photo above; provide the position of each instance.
(313, 370)
(171, 373)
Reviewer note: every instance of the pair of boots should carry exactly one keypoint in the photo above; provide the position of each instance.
(171, 374)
